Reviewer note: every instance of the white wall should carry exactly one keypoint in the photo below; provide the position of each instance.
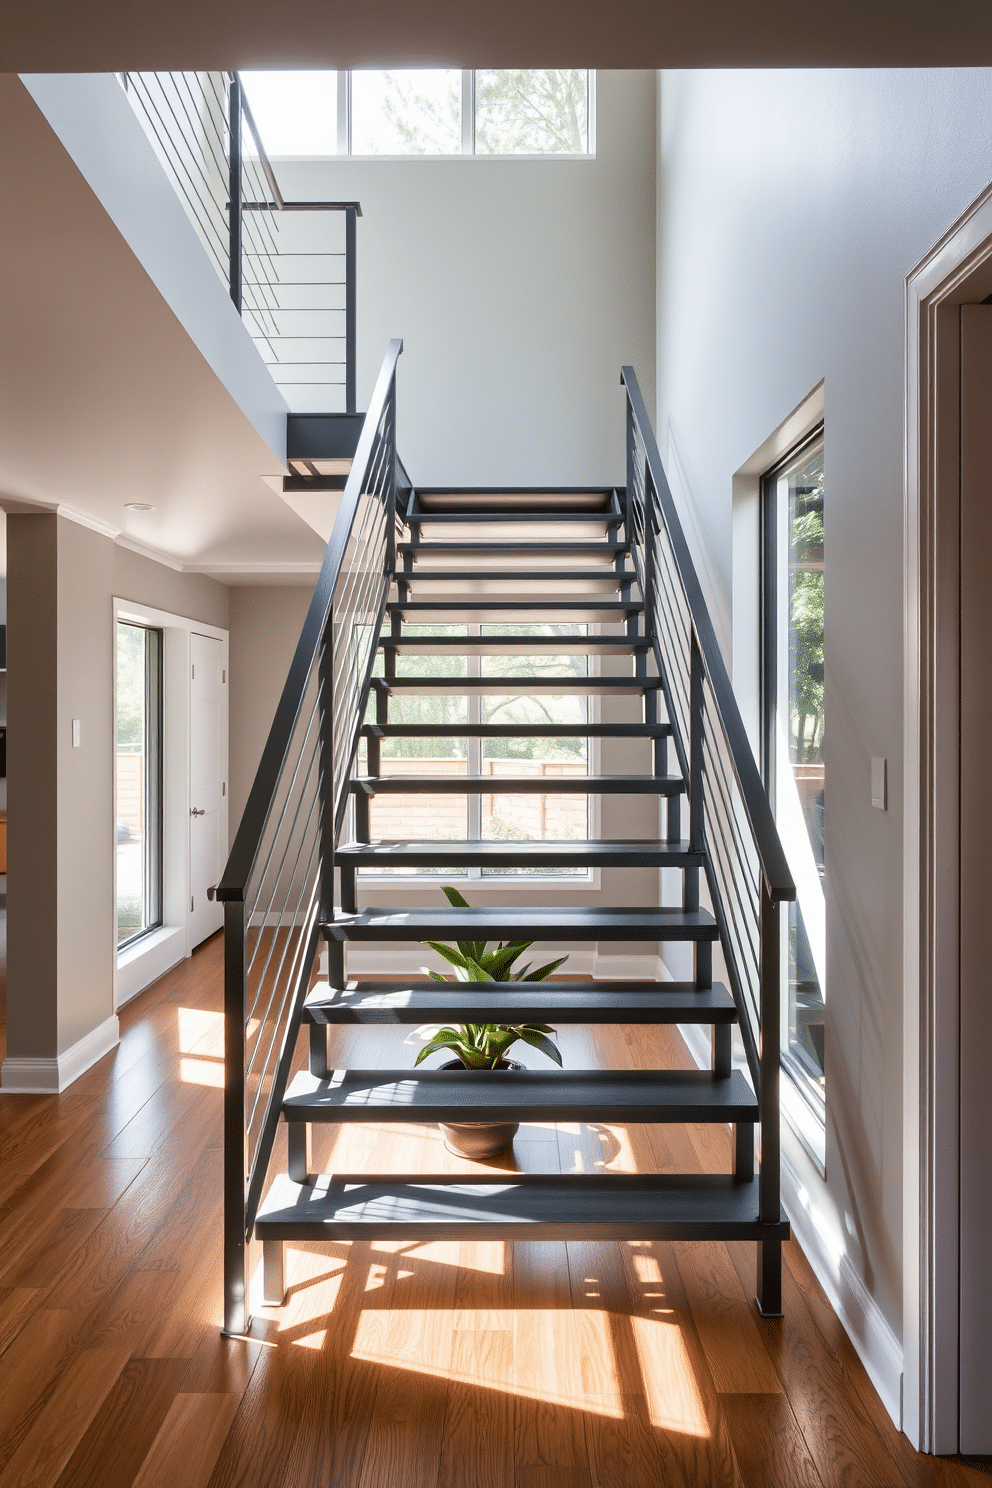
(519, 287)
(791, 207)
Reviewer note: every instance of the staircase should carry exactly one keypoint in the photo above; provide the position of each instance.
(401, 560)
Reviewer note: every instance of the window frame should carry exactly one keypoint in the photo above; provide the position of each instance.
(475, 876)
(344, 131)
(806, 1110)
(153, 865)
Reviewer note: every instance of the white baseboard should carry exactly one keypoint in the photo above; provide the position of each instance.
(401, 961)
(52, 1076)
(875, 1343)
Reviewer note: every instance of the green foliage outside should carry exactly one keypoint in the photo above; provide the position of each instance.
(518, 112)
(483, 1045)
(130, 688)
(806, 628)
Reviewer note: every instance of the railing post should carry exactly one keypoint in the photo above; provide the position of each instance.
(235, 1160)
(350, 309)
(769, 1289)
(234, 188)
(628, 493)
(326, 807)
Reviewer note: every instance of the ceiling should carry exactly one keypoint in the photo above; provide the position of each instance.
(106, 35)
(104, 399)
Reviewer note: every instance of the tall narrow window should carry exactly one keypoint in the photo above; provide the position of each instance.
(792, 739)
(138, 781)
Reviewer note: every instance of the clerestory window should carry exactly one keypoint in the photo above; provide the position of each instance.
(425, 112)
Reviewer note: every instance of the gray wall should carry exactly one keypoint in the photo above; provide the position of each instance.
(62, 579)
(791, 207)
(519, 287)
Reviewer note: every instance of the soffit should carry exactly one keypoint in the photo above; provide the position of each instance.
(104, 399)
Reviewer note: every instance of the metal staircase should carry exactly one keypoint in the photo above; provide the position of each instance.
(400, 558)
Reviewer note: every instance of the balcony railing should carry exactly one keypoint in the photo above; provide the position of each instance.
(289, 265)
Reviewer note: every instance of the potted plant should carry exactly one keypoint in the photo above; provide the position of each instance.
(484, 1045)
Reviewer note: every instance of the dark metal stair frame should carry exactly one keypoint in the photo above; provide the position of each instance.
(390, 541)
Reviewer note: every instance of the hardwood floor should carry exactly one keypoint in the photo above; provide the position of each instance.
(451, 1365)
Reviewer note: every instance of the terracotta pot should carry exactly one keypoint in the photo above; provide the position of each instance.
(479, 1139)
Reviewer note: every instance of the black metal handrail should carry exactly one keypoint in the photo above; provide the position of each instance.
(768, 845)
(730, 817)
(278, 885)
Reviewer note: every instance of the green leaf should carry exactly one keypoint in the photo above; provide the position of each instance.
(504, 959)
(543, 972)
(436, 976)
(454, 898)
(448, 953)
(538, 1041)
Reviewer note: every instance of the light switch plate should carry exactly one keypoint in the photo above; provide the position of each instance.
(879, 782)
(77, 737)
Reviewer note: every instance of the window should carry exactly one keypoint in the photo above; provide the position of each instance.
(496, 816)
(416, 111)
(138, 774)
(793, 719)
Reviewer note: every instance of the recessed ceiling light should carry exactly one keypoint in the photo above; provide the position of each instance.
(138, 506)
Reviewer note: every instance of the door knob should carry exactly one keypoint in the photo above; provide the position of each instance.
(194, 812)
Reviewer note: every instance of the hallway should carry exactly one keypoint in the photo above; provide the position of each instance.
(470, 1365)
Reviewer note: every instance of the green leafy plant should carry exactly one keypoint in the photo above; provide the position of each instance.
(483, 1045)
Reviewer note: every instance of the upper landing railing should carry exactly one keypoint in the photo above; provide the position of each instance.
(289, 265)
(729, 812)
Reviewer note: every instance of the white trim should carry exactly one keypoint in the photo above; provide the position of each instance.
(144, 550)
(958, 268)
(142, 963)
(583, 960)
(52, 1076)
(874, 1341)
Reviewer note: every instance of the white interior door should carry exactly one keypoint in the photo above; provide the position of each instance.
(975, 1180)
(207, 782)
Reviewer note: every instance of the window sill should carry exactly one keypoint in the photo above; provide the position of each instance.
(804, 1122)
(142, 963)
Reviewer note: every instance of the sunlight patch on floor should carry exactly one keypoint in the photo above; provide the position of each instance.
(202, 1072)
(201, 1032)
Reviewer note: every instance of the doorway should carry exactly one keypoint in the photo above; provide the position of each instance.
(193, 754)
(948, 1169)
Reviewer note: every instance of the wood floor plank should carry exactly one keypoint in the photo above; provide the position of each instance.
(29, 1371)
(16, 1306)
(64, 1419)
(59, 1237)
(725, 1322)
(768, 1444)
(477, 1437)
(108, 1457)
(189, 1442)
(549, 1444)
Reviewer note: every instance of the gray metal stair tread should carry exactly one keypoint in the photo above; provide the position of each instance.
(517, 730)
(497, 923)
(511, 575)
(514, 514)
(428, 549)
(507, 645)
(523, 1206)
(513, 602)
(516, 785)
(497, 686)
(649, 1096)
(512, 1002)
(513, 854)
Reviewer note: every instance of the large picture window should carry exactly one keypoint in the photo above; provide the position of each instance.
(497, 816)
(138, 771)
(793, 723)
(417, 111)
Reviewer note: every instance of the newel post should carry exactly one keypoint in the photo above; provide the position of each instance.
(769, 1288)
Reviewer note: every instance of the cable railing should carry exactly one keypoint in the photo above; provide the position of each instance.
(289, 265)
(278, 886)
(729, 812)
